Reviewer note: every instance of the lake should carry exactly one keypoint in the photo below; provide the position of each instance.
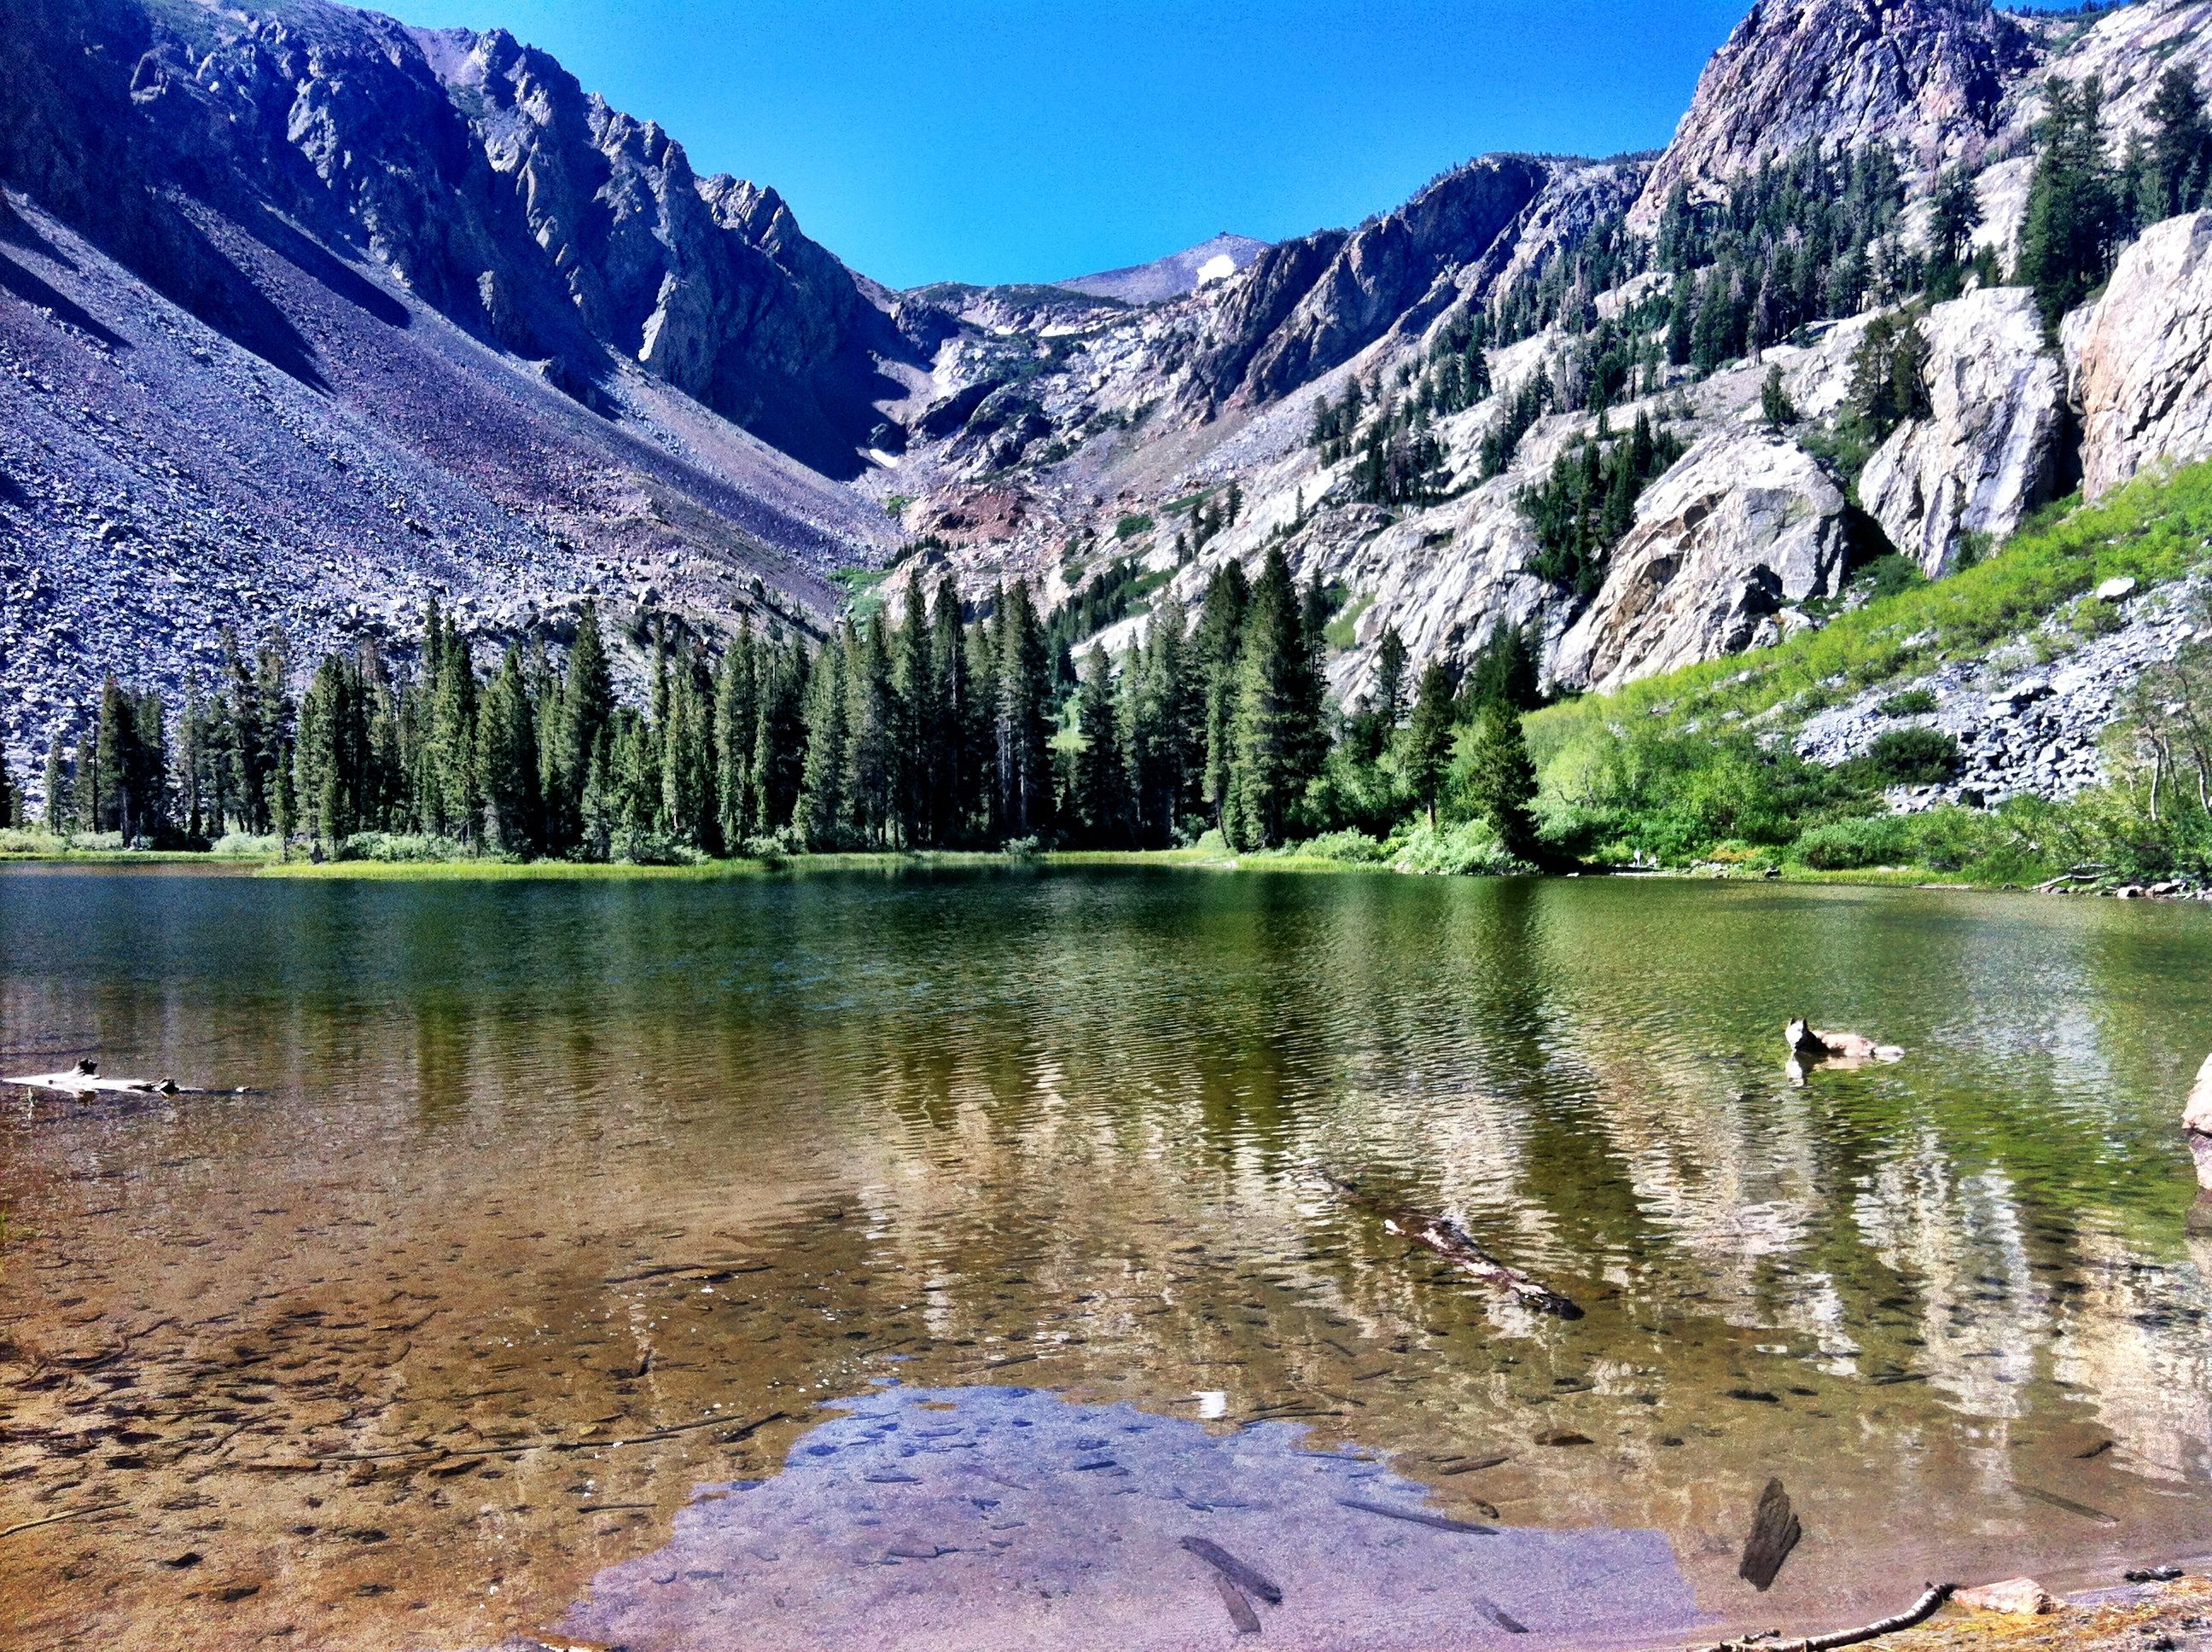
(915, 1259)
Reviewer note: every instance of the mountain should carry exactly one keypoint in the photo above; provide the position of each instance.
(1121, 437)
(1216, 258)
(304, 313)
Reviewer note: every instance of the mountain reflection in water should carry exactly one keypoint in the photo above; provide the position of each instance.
(545, 1183)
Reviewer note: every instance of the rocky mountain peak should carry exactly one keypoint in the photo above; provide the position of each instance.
(1926, 76)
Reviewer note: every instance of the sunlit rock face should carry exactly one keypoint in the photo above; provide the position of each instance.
(1990, 450)
(1928, 76)
(1742, 526)
(2140, 358)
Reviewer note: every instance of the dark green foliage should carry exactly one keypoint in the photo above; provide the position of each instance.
(2075, 217)
(1888, 387)
(1428, 740)
(1913, 756)
(1100, 794)
(1907, 702)
(2174, 172)
(1581, 510)
(1500, 781)
(1775, 410)
(1278, 735)
(1954, 211)
(1507, 667)
(1399, 461)
(1798, 241)
(1528, 404)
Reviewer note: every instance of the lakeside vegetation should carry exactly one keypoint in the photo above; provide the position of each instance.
(1206, 745)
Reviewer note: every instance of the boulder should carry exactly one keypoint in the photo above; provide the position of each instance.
(2197, 1121)
(2139, 359)
(2022, 1596)
(1988, 452)
(1742, 526)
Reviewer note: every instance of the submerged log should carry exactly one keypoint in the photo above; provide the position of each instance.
(1245, 1577)
(1456, 1246)
(1774, 1533)
(1239, 1608)
(1418, 1518)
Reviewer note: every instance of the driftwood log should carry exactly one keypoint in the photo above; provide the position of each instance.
(1914, 1615)
(84, 1079)
(1456, 1246)
(1774, 1532)
(1247, 1578)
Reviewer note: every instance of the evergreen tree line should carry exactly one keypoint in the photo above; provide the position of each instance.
(928, 730)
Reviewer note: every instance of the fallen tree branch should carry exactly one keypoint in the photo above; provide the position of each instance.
(1914, 1615)
(1456, 1246)
(56, 1519)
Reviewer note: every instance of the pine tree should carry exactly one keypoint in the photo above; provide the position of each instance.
(1954, 212)
(2178, 162)
(957, 749)
(1220, 634)
(1501, 779)
(922, 733)
(1162, 735)
(737, 732)
(60, 811)
(506, 762)
(687, 770)
(579, 725)
(1425, 749)
(85, 794)
(2073, 214)
(1775, 410)
(1025, 715)
(1101, 788)
(1277, 727)
(873, 757)
(820, 813)
(114, 762)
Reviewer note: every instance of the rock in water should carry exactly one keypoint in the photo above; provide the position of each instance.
(2196, 1123)
(2022, 1596)
(1774, 1533)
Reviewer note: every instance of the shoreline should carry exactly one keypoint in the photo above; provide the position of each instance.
(1189, 860)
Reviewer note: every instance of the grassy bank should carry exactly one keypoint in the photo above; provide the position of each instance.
(1697, 767)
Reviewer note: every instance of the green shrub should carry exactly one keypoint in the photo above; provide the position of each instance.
(245, 846)
(1848, 845)
(1472, 848)
(1131, 525)
(1912, 702)
(1914, 756)
(400, 847)
(1354, 849)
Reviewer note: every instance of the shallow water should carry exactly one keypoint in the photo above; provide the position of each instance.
(559, 1209)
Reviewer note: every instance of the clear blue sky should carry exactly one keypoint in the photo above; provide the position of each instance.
(1000, 140)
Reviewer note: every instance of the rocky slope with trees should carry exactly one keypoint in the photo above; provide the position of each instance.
(1907, 273)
